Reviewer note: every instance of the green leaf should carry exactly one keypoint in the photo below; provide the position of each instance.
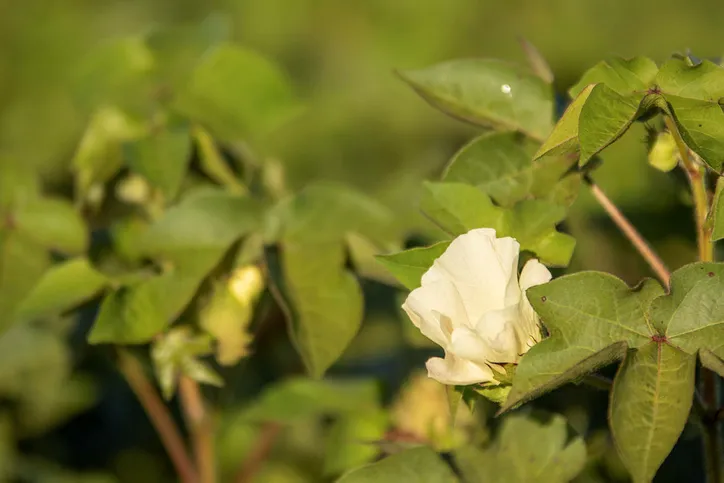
(213, 163)
(621, 75)
(236, 92)
(496, 163)
(162, 157)
(525, 451)
(711, 361)
(459, 208)
(691, 317)
(363, 257)
(408, 266)
(52, 223)
(704, 81)
(564, 138)
(62, 287)
(604, 118)
(22, 264)
(701, 125)
(716, 217)
(537, 62)
(351, 441)
(207, 219)
(487, 92)
(421, 465)
(650, 404)
(177, 353)
(135, 314)
(298, 399)
(591, 317)
(322, 299)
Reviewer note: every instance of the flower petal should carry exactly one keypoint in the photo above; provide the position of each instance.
(456, 371)
(497, 330)
(534, 273)
(480, 275)
(434, 308)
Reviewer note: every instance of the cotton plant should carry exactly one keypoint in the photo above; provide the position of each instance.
(509, 330)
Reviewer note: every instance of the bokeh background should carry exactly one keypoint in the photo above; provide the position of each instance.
(361, 126)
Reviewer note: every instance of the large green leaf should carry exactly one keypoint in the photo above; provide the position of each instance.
(409, 266)
(621, 75)
(564, 138)
(704, 81)
(525, 451)
(421, 465)
(162, 157)
(62, 287)
(650, 404)
(487, 92)
(459, 208)
(692, 316)
(322, 299)
(591, 317)
(236, 92)
(208, 218)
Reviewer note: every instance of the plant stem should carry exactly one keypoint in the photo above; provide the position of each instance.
(638, 241)
(709, 380)
(158, 414)
(254, 460)
(201, 428)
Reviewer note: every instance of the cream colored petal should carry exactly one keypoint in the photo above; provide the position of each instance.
(435, 308)
(466, 344)
(508, 250)
(496, 329)
(456, 371)
(472, 264)
(534, 273)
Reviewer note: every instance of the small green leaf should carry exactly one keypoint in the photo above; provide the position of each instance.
(177, 353)
(204, 219)
(537, 62)
(236, 92)
(298, 399)
(409, 266)
(487, 92)
(135, 314)
(421, 465)
(564, 138)
(497, 394)
(52, 223)
(525, 451)
(650, 405)
(62, 287)
(162, 157)
(592, 317)
(604, 118)
(213, 163)
(459, 208)
(621, 75)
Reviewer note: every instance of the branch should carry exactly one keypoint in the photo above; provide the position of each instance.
(158, 414)
(638, 241)
(201, 428)
(254, 460)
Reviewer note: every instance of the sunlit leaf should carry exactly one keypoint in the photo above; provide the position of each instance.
(421, 465)
(564, 138)
(490, 93)
(620, 75)
(409, 266)
(52, 223)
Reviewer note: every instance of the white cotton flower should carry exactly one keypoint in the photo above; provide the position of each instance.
(472, 304)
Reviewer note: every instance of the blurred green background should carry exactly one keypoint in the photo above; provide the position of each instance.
(362, 126)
